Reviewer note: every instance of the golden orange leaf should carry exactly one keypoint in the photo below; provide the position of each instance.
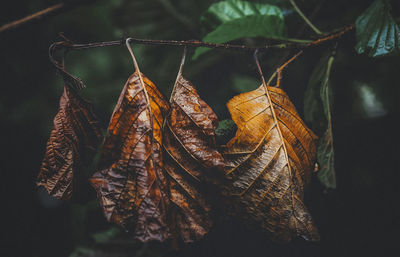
(270, 161)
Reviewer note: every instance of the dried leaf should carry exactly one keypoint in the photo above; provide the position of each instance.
(131, 185)
(74, 138)
(270, 161)
(191, 160)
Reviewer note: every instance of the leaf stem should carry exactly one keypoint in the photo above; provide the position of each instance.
(299, 12)
(255, 56)
(296, 40)
(327, 74)
(179, 74)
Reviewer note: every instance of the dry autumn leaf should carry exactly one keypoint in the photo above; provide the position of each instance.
(131, 185)
(191, 159)
(74, 138)
(270, 161)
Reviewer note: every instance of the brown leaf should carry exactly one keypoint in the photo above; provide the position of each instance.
(74, 138)
(191, 160)
(271, 159)
(131, 185)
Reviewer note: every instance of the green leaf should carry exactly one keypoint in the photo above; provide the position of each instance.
(234, 19)
(318, 113)
(377, 32)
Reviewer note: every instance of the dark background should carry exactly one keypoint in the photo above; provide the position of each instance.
(359, 218)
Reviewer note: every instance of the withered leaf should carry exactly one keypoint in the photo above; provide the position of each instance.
(74, 138)
(191, 160)
(131, 185)
(270, 161)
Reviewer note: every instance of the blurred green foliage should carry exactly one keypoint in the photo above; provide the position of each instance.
(318, 113)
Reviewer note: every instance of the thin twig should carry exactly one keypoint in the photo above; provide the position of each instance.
(197, 43)
(171, 9)
(297, 9)
(280, 69)
(255, 56)
(39, 15)
(299, 33)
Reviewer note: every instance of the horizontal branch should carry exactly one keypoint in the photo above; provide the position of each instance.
(76, 83)
(196, 43)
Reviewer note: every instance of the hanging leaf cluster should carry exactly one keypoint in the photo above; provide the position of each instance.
(162, 175)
